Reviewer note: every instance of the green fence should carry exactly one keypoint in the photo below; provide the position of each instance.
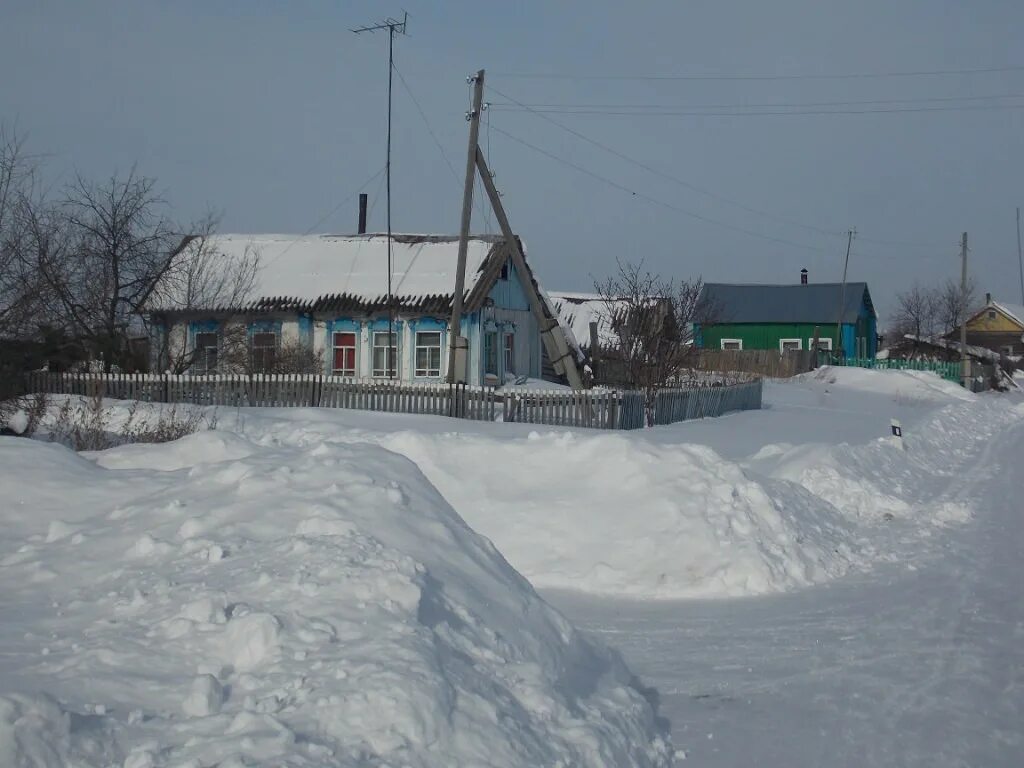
(947, 370)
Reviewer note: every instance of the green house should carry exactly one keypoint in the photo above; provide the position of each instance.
(787, 317)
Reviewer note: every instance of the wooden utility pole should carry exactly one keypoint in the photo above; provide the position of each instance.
(965, 371)
(457, 345)
(842, 294)
(550, 330)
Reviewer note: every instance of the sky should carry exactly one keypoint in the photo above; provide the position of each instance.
(274, 114)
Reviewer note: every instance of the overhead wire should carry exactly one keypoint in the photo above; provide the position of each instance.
(433, 135)
(737, 112)
(762, 76)
(669, 177)
(328, 215)
(693, 187)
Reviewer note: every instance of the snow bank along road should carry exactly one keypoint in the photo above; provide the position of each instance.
(920, 663)
(215, 602)
(287, 590)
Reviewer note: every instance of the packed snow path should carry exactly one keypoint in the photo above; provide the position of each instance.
(916, 664)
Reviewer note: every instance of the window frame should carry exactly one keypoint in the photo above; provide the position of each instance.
(508, 351)
(388, 371)
(1006, 350)
(262, 348)
(738, 342)
(354, 346)
(427, 372)
(204, 368)
(821, 340)
(490, 345)
(799, 345)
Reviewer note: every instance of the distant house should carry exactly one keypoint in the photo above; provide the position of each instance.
(786, 317)
(328, 294)
(613, 320)
(998, 326)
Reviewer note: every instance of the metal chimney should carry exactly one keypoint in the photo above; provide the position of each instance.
(988, 299)
(803, 277)
(362, 213)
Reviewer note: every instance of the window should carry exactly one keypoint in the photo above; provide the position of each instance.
(510, 353)
(344, 360)
(264, 349)
(732, 344)
(1006, 351)
(205, 353)
(991, 314)
(491, 353)
(385, 354)
(786, 345)
(504, 271)
(823, 343)
(428, 354)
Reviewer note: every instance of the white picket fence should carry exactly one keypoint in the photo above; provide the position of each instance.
(600, 409)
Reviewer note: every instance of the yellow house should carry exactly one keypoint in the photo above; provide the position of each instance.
(999, 326)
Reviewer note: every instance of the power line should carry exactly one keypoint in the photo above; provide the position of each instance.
(430, 130)
(767, 105)
(328, 215)
(765, 113)
(755, 77)
(649, 198)
(658, 172)
(713, 195)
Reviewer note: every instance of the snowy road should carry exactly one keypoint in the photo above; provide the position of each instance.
(920, 663)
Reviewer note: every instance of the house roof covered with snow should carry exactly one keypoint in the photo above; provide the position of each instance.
(577, 311)
(1014, 311)
(814, 303)
(349, 272)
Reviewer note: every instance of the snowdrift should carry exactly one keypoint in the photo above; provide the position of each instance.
(283, 605)
(613, 514)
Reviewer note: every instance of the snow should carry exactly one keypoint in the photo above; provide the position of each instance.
(1014, 311)
(306, 268)
(576, 311)
(859, 600)
(226, 601)
(916, 663)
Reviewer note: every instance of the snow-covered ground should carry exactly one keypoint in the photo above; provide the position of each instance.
(217, 602)
(860, 600)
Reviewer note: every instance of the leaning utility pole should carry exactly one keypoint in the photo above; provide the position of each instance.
(393, 26)
(457, 344)
(842, 293)
(965, 371)
(550, 332)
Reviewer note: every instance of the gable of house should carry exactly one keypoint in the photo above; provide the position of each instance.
(998, 317)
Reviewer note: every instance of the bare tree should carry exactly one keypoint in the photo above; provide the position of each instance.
(652, 321)
(200, 277)
(952, 307)
(108, 248)
(917, 312)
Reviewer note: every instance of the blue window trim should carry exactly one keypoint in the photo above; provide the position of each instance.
(428, 325)
(342, 325)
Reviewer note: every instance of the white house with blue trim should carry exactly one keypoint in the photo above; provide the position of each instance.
(329, 294)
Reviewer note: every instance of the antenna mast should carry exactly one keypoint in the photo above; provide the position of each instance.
(393, 27)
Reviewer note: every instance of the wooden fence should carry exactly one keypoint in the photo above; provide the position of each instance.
(763, 362)
(600, 409)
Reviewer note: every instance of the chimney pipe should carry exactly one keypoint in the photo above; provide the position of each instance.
(988, 299)
(803, 277)
(362, 213)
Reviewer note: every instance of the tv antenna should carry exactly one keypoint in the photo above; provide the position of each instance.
(393, 27)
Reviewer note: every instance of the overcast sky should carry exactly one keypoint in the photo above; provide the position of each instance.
(274, 113)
